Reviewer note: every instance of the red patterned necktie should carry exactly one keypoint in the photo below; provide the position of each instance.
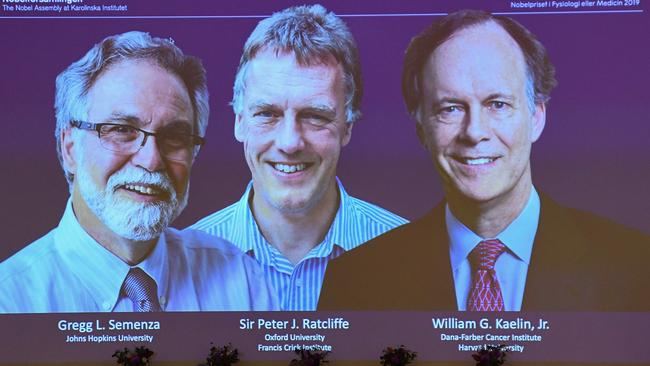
(142, 290)
(485, 293)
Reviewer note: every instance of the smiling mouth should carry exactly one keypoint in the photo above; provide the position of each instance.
(147, 190)
(289, 168)
(476, 161)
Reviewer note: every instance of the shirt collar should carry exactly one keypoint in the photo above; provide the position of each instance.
(252, 238)
(269, 255)
(156, 265)
(518, 237)
(98, 270)
(337, 232)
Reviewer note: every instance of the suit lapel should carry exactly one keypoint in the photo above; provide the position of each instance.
(556, 279)
(433, 267)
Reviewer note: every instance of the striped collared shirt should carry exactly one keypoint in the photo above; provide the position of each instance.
(299, 286)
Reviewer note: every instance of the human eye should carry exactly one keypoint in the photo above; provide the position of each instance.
(119, 131)
(449, 113)
(497, 105)
(450, 109)
(316, 119)
(264, 116)
(177, 140)
(317, 115)
(177, 135)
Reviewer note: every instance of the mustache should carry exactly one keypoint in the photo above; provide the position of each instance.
(130, 175)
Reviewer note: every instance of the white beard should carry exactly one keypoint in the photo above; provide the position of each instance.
(138, 221)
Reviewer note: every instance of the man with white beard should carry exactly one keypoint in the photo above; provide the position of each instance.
(130, 116)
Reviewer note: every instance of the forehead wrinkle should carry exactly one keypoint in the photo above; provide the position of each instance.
(320, 58)
(322, 108)
(260, 104)
(461, 52)
(508, 97)
(516, 54)
(135, 120)
(175, 107)
(130, 118)
(150, 101)
(286, 63)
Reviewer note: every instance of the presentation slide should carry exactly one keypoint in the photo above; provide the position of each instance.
(346, 178)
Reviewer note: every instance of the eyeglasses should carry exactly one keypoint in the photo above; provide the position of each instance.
(127, 139)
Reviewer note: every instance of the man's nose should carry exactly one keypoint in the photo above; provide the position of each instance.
(289, 138)
(476, 126)
(148, 156)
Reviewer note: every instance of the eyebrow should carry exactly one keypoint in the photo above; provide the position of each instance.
(325, 110)
(128, 118)
(261, 105)
(438, 102)
(137, 122)
(507, 97)
(317, 108)
(451, 100)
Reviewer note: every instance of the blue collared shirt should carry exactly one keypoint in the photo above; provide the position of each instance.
(511, 267)
(68, 271)
(299, 286)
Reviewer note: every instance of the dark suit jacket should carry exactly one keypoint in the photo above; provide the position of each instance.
(580, 262)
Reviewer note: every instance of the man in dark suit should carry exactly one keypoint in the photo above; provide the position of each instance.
(477, 86)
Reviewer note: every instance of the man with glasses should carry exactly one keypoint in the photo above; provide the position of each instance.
(130, 116)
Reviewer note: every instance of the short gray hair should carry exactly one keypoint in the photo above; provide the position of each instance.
(313, 34)
(74, 83)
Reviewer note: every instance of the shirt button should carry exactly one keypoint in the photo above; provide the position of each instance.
(298, 282)
(163, 300)
(106, 305)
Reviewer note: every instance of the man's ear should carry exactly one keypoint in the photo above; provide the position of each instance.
(67, 151)
(539, 121)
(347, 133)
(239, 128)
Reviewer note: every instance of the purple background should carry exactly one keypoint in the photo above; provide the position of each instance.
(592, 155)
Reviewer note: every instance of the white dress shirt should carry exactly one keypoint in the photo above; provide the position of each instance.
(68, 271)
(512, 265)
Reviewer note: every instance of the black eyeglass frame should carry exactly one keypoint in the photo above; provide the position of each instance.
(197, 141)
